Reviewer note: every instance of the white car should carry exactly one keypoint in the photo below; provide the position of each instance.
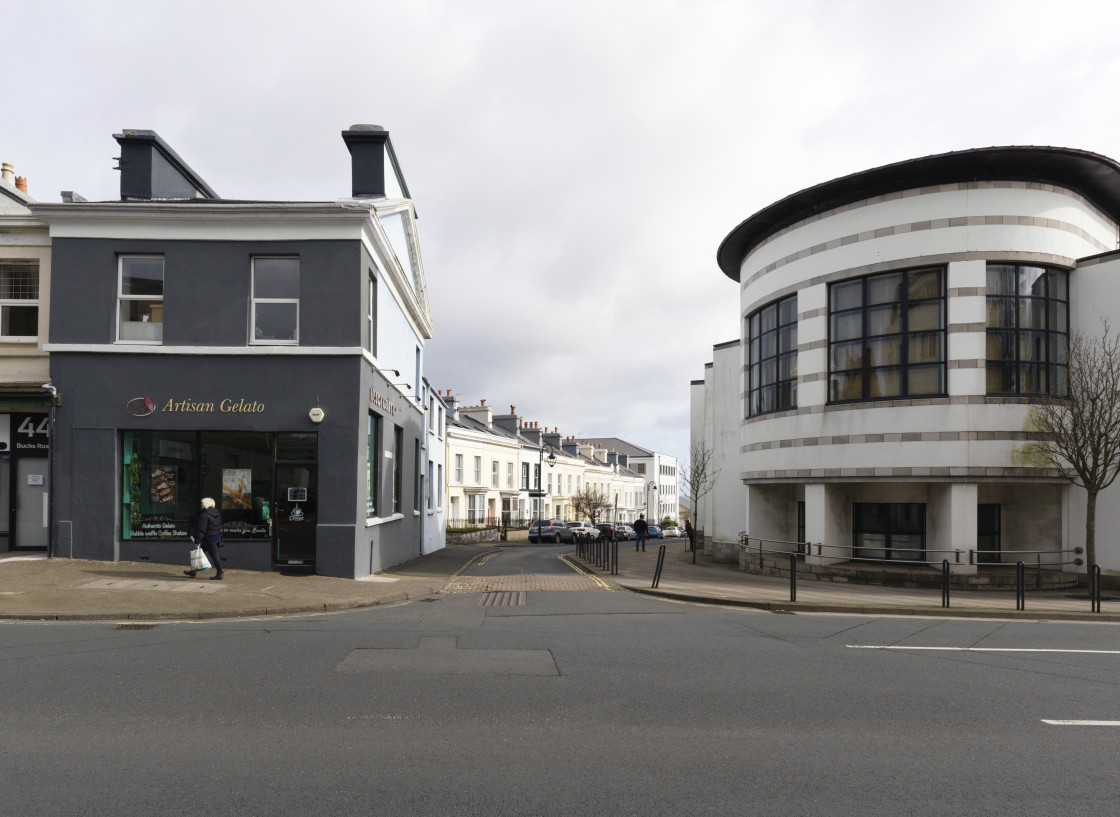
(584, 529)
(672, 531)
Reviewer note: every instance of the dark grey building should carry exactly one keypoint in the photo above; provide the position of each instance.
(266, 354)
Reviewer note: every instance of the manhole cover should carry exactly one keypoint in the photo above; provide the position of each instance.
(134, 627)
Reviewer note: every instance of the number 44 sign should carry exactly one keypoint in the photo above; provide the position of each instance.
(30, 432)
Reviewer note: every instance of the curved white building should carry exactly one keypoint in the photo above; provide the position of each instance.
(896, 325)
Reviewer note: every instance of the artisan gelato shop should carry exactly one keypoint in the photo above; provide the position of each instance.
(263, 483)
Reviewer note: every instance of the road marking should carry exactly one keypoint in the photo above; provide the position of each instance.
(582, 572)
(1081, 723)
(975, 649)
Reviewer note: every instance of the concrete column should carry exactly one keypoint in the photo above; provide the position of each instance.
(827, 513)
(951, 525)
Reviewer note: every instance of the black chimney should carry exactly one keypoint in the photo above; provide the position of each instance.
(368, 146)
(151, 170)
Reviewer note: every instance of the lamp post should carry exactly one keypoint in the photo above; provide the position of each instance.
(540, 474)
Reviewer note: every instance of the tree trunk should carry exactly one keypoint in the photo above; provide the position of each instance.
(1091, 530)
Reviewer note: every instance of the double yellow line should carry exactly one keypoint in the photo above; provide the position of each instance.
(576, 567)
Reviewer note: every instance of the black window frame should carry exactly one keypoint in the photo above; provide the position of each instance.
(867, 339)
(891, 520)
(1050, 342)
(770, 344)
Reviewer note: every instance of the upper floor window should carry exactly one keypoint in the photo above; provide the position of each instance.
(887, 336)
(459, 468)
(275, 300)
(493, 473)
(478, 470)
(140, 298)
(773, 370)
(371, 316)
(19, 299)
(1028, 328)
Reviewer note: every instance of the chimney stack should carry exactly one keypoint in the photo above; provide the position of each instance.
(21, 184)
(8, 173)
(368, 146)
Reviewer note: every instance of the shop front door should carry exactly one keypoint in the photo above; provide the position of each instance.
(296, 514)
(31, 494)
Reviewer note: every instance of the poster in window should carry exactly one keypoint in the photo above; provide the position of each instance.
(237, 489)
(163, 485)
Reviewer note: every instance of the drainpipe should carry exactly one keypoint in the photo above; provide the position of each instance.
(53, 392)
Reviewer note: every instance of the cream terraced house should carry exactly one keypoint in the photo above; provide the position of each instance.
(896, 326)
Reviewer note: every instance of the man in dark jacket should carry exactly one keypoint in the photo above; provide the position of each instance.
(640, 530)
(206, 532)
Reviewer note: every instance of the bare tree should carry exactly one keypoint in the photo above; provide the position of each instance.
(1083, 428)
(590, 503)
(698, 476)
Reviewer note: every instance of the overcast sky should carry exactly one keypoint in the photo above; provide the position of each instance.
(574, 164)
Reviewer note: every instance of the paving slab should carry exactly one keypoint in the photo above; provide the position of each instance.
(77, 589)
(707, 581)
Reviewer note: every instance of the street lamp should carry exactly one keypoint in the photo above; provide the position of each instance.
(540, 474)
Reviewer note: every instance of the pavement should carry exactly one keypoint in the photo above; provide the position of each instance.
(33, 587)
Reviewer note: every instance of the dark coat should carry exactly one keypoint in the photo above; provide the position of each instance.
(640, 526)
(208, 525)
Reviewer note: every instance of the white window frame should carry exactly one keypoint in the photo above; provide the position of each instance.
(478, 470)
(459, 469)
(23, 303)
(121, 297)
(254, 300)
(493, 473)
(371, 316)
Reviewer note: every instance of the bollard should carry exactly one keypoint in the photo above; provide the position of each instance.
(793, 577)
(1095, 588)
(1020, 586)
(944, 582)
(660, 564)
(614, 571)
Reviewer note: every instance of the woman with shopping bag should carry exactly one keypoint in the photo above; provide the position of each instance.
(206, 533)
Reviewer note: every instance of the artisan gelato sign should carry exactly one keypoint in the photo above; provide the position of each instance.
(381, 402)
(145, 406)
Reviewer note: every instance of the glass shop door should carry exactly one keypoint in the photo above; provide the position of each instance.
(296, 504)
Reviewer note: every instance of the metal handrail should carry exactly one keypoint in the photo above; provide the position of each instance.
(1038, 554)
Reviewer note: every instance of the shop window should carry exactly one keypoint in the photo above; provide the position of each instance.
(167, 473)
(1028, 330)
(140, 299)
(373, 448)
(275, 307)
(893, 531)
(887, 336)
(19, 300)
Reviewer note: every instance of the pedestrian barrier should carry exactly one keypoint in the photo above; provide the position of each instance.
(660, 564)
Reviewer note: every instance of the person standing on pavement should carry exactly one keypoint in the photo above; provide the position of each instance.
(206, 532)
(640, 529)
(690, 533)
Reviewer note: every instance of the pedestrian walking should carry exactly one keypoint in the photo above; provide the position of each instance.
(690, 533)
(206, 531)
(640, 528)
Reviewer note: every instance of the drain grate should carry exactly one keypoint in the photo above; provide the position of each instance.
(134, 627)
(503, 598)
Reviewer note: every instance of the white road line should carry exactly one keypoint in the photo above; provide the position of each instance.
(1081, 723)
(974, 649)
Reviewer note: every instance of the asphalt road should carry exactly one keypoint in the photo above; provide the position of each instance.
(572, 703)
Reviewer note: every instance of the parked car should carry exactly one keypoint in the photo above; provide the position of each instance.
(672, 531)
(584, 529)
(655, 532)
(550, 530)
(624, 532)
(606, 530)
